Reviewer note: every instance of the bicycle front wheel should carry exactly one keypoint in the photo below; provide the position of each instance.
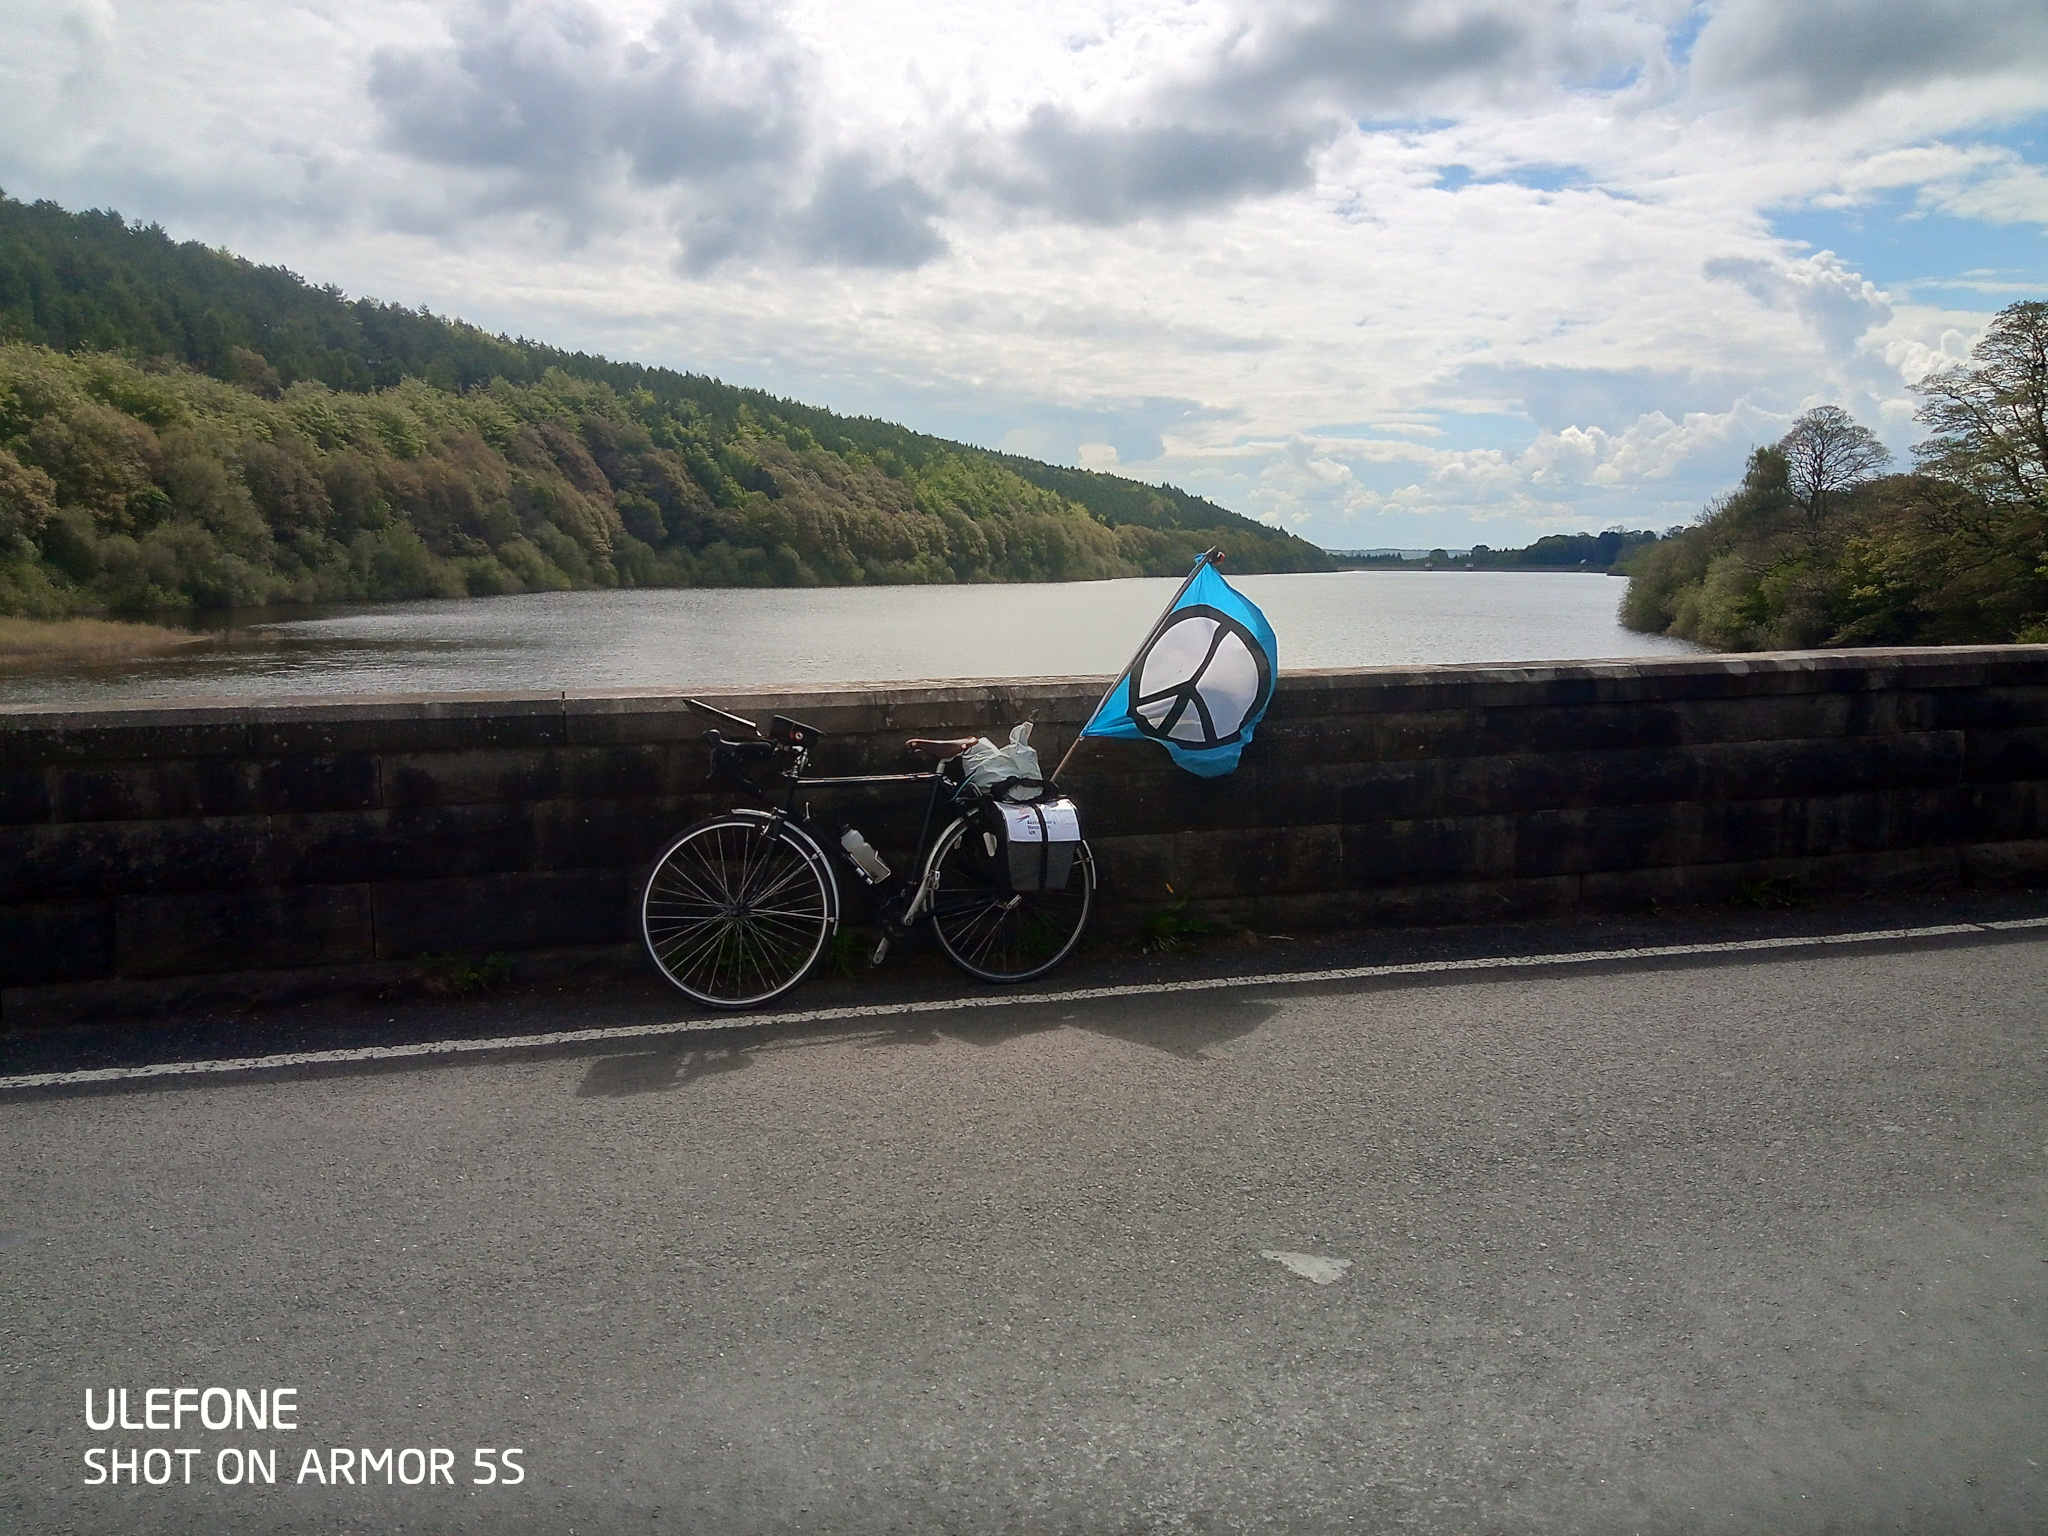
(993, 932)
(735, 914)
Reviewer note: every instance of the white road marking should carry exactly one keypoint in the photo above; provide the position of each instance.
(1310, 1266)
(702, 1024)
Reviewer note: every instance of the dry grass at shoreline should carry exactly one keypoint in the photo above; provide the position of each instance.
(33, 642)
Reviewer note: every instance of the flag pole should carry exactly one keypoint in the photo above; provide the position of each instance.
(1208, 557)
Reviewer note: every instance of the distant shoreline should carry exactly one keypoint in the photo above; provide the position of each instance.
(1413, 568)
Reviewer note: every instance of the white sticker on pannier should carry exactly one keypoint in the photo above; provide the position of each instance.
(1062, 822)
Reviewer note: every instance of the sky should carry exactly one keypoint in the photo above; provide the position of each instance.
(1388, 273)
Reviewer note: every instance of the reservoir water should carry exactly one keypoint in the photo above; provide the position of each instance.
(737, 637)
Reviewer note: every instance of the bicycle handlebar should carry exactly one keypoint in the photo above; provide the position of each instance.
(729, 719)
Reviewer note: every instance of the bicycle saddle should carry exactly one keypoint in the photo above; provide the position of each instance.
(939, 751)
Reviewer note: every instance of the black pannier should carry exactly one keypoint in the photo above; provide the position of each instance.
(1037, 842)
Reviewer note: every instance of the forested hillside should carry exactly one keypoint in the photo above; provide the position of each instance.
(182, 428)
(1818, 547)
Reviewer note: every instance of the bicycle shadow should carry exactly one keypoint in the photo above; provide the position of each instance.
(619, 1077)
(1184, 1028)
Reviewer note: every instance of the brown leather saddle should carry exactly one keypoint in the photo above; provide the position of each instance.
(940, 751)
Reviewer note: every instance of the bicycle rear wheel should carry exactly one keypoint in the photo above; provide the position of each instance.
(995, 933)
(734, 914)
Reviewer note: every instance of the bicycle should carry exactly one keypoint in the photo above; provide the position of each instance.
(741, 906)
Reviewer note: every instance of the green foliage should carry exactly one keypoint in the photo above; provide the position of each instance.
(180, 428)
(1567, 551)
(1767, 892)
(1169, 929)
(453, 976)
(1813, 549)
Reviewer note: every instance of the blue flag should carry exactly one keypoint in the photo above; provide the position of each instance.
(1201, 682)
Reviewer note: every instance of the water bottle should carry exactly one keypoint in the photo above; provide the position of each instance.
(862, 852)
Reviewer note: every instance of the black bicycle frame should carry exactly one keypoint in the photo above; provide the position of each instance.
(790, 811)
(794, 777)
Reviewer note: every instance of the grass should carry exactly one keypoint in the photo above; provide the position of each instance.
(1169, 929)
(1767, 892)
(453, 976)
(33, 641)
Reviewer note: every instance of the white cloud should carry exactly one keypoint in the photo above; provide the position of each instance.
(1441, 263)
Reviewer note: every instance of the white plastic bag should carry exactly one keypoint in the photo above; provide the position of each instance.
(987, 764)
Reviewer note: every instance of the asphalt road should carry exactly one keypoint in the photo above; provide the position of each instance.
(1728, 1244)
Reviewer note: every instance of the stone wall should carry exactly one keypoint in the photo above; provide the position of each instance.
(211, 847)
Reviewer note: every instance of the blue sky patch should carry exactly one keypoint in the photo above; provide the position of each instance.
(1896, 245)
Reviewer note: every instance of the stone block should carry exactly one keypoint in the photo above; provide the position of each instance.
(121, 731)
(1169, 799)
(1509, 784)
(1304, 794)
(1776, 769)
(1520, 731)
(170, 789)
(1417, 852)
(1824, 826)
(1134, 873)
(1258, 862)
(180, 788)
(657, 717)
(490, 914)
(24, 796)
(1593, 838)
(1792, 717)
(2016, 810)
(2017, 862)
(408, 723)
(56, 941)
(2013, 753)
(413, 843)
(664, 716)
(1968, 813)
(206, 931)
(294, 785)
(1896, 871)
(413, 779)
(77, 859)
(590, 834)
(1316, 739)
(1102, 764)
(1451, 901)
(1993, 708)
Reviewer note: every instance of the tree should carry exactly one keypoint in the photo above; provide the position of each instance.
(1990, 422)
(1827, 453)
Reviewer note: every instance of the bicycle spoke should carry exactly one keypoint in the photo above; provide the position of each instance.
(735, 914)
(994, 933)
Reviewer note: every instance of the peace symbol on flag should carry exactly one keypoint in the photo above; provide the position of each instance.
(1203, 674)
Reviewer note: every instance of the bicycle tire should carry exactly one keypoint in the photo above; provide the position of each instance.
(996, 934)
(705, 918)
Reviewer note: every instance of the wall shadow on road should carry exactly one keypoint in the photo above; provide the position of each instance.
(1179, 1024)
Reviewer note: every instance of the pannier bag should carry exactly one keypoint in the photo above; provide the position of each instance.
(1039, 842)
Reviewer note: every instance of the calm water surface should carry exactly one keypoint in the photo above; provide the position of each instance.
(743, 637)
